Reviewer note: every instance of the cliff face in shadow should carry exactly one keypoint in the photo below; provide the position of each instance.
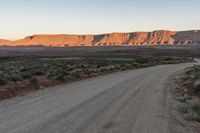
(161, 37)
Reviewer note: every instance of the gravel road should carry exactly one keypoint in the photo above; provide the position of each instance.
(134, 101)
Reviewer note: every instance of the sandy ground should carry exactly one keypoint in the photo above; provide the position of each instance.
(135, 101)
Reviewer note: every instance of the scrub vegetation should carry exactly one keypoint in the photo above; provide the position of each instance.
(22, 74)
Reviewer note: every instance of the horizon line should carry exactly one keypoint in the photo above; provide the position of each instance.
(96, 33)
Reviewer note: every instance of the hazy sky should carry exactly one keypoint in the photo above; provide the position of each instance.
(19, 18)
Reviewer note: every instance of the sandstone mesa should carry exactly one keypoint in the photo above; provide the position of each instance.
(160, 37)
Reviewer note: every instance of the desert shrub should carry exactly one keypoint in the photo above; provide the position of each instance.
(75, 74)
(184, 109)
(192, 109)
(135, 64)
(184, 77)
(14, 78)
(2, 69)
(168, 58)
(23, 69)
(3, 81)
(37, 72)
(195, 107)
(117, 66)
(196, 117)
(196, 68)
(34, 82)
(112, 67)
(79, 70)
(1, 73)
(50, 74)
(107, 69)
(60, 77)
(25, 75)
(196, 87)
(142, 60)
(59, 74)
(86, 71)
(189, 71)
(60, 70)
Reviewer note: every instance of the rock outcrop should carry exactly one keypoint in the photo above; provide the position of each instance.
(161, 37)
(5, 42)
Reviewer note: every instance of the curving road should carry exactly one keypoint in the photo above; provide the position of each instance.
(135, 101)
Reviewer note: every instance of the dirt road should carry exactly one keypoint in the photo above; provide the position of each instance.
(135, 101)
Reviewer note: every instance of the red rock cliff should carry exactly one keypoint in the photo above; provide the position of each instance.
(135, 38)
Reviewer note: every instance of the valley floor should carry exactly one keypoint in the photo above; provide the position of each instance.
(133, 101)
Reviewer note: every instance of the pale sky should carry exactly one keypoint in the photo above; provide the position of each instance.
(19, 18)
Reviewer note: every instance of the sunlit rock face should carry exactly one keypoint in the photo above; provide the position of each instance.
(161, 37)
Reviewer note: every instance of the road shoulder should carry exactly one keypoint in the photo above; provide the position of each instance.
(177, 122)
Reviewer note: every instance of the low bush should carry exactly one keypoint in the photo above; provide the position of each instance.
(22, 68)
(195, 117)
(14, 78)
(195, 111)
(60, 77)
(192, 109)
(142, 60)
(26, 75)
(3, 81)
(184, 109)
(34, 82)
(196, 87)
(195, 107)
(37, 72)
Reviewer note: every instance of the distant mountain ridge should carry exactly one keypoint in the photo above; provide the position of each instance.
(160, 37)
